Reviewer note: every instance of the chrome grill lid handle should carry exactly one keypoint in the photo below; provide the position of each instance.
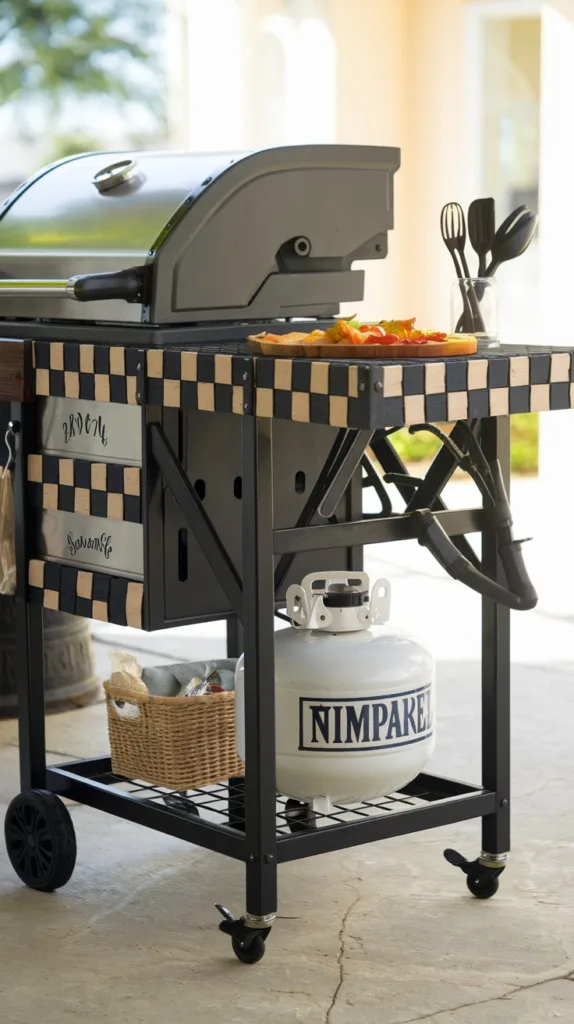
(114, 174)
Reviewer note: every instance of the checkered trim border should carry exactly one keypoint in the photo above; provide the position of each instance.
(394, 394)
(87, 488)
(96, 373)
(339, 393)
(335, 393)
(472, 388)
(212, 382)
(89, 594)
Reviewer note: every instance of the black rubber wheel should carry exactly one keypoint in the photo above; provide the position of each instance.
(252, 953)
(40, 840)
(483, 885)
(300, 817)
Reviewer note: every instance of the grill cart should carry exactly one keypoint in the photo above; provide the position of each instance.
(165, 475)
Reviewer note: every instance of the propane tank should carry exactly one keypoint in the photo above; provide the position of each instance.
(355, 697)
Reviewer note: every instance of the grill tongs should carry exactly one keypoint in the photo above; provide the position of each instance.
(519, 594)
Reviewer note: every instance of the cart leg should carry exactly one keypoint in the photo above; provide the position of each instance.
(495, 439)
(234, 637)
(29, 627)
(258, 625)
(482, 874)
(236, 797)
(248, 934)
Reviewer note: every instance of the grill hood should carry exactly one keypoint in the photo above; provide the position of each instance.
(198, 237)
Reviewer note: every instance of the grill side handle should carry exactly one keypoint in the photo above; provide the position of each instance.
(129, 285)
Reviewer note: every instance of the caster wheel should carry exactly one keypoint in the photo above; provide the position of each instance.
(483, 885)
(179, 803)
(250, 954)
(248, 944)
(300, 817)
(40, 840)
(481, 882)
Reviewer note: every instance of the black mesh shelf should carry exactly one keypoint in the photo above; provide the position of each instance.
(214, 816)
(221, 804)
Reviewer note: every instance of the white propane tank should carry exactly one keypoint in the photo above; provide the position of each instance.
(355, 697)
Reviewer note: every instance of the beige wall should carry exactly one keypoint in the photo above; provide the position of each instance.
(372, 108)
(406, 88)
(400, 82)
(435, 158)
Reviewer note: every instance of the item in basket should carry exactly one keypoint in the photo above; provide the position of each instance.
(209, 677)
(195, 688)
(199, 687)
(172, 680)
(127, 672)
(162, 681)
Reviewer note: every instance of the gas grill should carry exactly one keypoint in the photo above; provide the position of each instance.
(161, 239)
(165, 475)
(177, 249)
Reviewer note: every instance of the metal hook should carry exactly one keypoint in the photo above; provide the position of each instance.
(9, 434)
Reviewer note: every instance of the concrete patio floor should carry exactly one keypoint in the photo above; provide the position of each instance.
(381, 934)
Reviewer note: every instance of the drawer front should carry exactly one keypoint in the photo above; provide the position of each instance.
(94, 430)
(92, 543)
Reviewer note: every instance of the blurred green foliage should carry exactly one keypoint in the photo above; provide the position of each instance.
(523, 443)
(70, 143)
(52, 50)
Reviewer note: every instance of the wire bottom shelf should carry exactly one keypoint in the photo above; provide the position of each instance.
(223, 804)
(214, 816)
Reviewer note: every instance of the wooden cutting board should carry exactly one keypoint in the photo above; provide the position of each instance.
(464, 346)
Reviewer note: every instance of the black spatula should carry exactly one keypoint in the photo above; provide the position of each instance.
(481, 230)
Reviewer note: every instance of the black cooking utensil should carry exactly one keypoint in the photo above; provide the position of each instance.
(453, 230)
(452, 236)
(481, 230)
(503, 228)
(512, 238)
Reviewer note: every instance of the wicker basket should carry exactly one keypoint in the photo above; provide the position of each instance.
(176, 742)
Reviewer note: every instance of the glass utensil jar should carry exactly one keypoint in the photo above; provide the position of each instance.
(474, 309)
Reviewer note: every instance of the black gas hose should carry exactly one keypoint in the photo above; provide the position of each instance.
(520, 594)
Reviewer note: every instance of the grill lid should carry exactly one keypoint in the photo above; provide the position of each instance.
(213, 237)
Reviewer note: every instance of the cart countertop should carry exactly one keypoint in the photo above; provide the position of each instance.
(356, 393)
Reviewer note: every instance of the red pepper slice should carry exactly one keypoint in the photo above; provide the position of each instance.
(380, 339)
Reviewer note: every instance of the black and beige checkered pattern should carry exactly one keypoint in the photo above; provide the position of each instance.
(95, 373)
(92, 595)
(379, 394)
(340, 393)
(87, 488)
(334, 393)
(471, 388)
(208, 381)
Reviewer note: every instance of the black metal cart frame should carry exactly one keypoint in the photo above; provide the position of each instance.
(245, 819)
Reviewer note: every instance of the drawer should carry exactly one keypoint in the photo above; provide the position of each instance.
(89, 542)
(104, 431)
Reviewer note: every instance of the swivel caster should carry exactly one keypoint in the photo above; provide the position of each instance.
(247, 943)
(300, 817)
(481, 879)
(40, 840)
